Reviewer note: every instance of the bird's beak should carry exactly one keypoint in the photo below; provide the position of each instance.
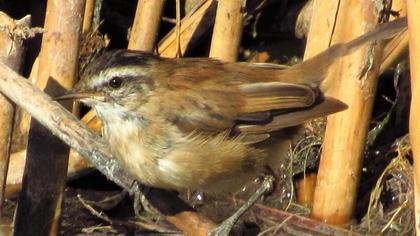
(79, 95)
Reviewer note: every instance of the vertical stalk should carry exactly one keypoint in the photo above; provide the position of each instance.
(45, 172)
(341, 159)
(11, 54)
(413, 12)
(318, 40)
(88, 16)
(146, 25)
(227, 31)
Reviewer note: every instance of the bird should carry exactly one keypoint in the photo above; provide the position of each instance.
(201, 123)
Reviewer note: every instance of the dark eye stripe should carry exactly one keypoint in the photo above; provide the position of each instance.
(116, 82)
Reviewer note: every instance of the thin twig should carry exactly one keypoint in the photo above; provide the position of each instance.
(101, 215)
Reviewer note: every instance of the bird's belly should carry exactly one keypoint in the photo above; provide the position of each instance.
(204, 167)
(193, 162)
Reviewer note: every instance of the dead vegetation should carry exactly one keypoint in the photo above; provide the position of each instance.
(379, 196)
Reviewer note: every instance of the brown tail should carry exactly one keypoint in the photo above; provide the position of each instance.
(315, 69)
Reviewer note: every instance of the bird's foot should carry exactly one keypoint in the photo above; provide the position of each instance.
(225, 228)
(140, 202)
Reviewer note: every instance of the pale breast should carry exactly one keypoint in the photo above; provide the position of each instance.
(128, 148)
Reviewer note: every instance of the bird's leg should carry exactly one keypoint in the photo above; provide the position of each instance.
(139, 192)
(224, 228)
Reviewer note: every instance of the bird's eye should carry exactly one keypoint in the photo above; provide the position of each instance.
(115, 82)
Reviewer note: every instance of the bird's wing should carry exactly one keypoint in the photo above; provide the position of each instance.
(254, 109)
(326, 106)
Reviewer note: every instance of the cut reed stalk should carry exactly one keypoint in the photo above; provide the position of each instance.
(88, 16)
(355, 84)
(227, 31)
(146, 25)
(47, 157)
(413, 12)
(11, 54)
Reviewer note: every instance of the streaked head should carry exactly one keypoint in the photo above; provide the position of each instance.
(115, 77)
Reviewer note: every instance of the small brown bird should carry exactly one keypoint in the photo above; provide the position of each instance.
(198, 123)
